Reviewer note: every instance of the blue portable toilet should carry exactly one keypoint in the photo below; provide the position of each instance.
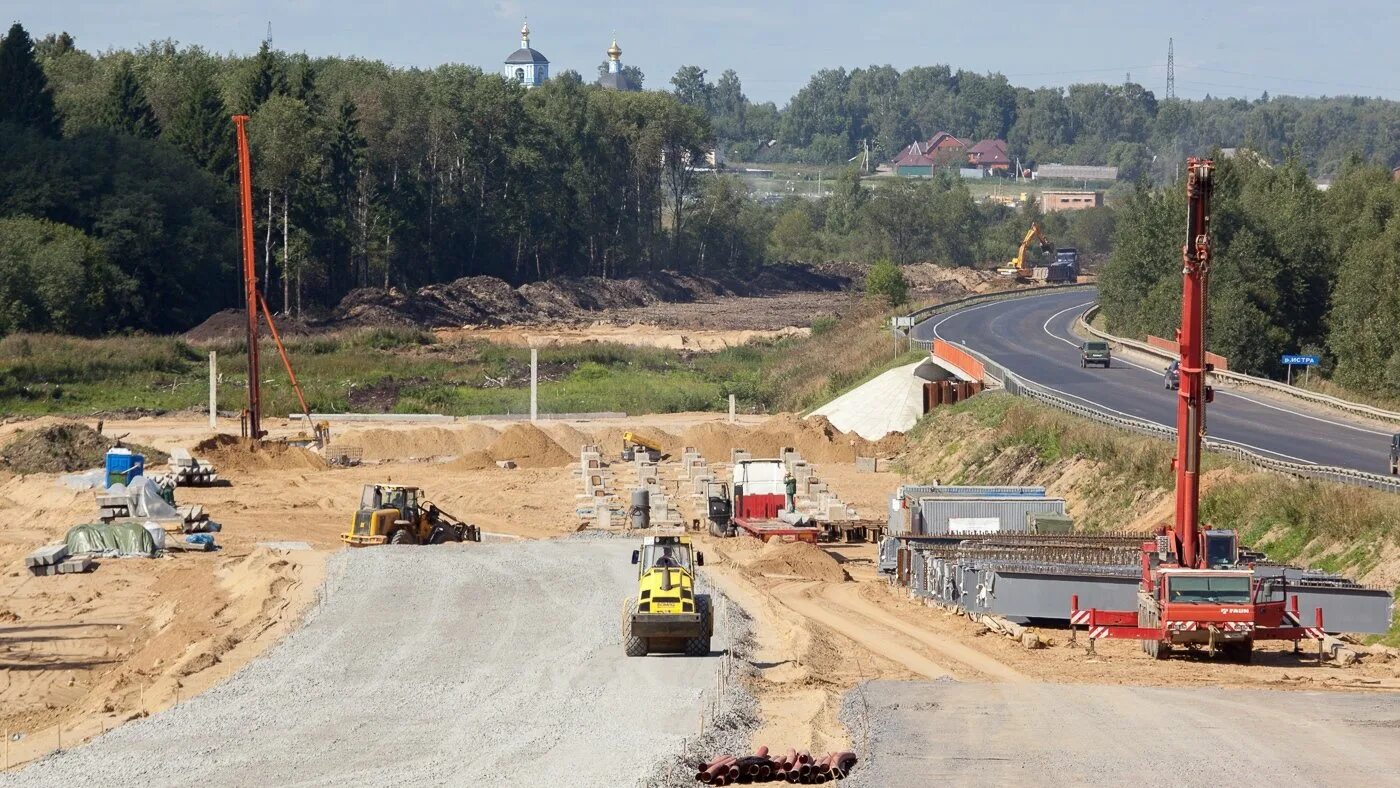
(123, 466)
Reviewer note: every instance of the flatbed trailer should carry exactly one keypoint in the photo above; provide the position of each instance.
(784, 531)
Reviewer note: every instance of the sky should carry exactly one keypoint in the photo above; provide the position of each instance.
(1223, 48)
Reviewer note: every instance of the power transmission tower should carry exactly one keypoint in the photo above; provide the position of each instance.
(269, 34)
(1171, 69)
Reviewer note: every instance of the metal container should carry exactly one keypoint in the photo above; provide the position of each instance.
(955, 514)
(641, 508)
(902, 502)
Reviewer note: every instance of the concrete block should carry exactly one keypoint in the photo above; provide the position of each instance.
(506, 464)
(47, 555)
(44, 570)
(865, 464)
(76, 565)
(739, 455)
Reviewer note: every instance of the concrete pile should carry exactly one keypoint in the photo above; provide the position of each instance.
(186, 470)
(597, 506)
(54, 559)
(794, 767)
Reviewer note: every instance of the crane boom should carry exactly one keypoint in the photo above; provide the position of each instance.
(1193, 393)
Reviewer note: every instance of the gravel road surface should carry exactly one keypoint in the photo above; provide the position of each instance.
(943, 732)
(485, 664)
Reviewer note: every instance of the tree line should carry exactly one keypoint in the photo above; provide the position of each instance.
(833, 116)
(1296, 269)
(363, 175)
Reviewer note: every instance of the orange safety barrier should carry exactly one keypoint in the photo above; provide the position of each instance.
(960, 359)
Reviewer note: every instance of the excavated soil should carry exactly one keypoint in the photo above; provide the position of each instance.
(798, 559)
(231, 453)
(529, 447)
(489, 301)
(63, 448)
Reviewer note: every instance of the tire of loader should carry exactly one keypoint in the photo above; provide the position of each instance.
(632, 645)
(402, 536)
(700, 646)
(1242, 652)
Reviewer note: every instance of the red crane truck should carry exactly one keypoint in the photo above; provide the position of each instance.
(1194, 589)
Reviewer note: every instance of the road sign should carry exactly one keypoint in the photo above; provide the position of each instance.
(1299, 361)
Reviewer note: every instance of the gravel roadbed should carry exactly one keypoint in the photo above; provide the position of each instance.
(479, 664)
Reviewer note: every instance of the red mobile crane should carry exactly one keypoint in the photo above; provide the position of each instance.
(1194, 591)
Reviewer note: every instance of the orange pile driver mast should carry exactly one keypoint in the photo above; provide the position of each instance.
(250, 275)
(1193, 394)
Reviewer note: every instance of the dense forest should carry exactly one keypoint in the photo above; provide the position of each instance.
(1296, 269)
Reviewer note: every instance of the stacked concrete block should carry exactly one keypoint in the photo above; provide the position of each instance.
(866, 465)
(789, 456)
(53, 559)
(700, 485)
(739, 455)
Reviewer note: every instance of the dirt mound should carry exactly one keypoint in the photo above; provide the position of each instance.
(64, 448)
(815, 439)
(473, 461)
(530, 447)
(799, 559)
(420, 443)
(233, 324)
(571, 439)
(488, 301)
(232, 453)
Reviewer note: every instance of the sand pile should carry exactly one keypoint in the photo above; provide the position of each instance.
(64, 448)
(231, 453)
(420, 443)
(798, 559)
(572, 440)
(530, 447)
(473, 461)
(815, 440)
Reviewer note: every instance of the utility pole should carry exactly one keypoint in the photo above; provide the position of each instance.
(534, 384)
(1171, 68)
(213, 390)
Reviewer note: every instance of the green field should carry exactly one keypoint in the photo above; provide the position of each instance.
(409, 371)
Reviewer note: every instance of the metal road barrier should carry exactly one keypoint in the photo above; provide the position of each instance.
(1001, 377)
(1240, 379)
(920, 315)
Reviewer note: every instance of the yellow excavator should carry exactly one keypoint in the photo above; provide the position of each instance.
(1018, 267)
(397, 514)
(667, 615)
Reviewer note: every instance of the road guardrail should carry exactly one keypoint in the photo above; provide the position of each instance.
(1241, 379)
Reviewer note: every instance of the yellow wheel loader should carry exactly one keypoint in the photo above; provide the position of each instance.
(397, 514)
(667, 615)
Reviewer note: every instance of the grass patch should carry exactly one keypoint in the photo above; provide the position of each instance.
(408, 370)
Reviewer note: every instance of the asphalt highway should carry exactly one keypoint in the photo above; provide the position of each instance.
(1031, 337)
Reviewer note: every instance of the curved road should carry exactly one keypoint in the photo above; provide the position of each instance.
(1031, 336)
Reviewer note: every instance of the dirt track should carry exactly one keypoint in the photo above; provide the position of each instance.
(928, 733)
(486, 664)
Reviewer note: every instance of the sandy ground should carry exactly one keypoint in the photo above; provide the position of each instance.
(92, 651)
(639, 335)
(513, 652)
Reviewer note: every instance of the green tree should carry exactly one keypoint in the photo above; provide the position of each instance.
(202, 129)
(729, 107)
(126, 109)
(69, 286)
(692, 90)
(886, 281)
(267, 78)
(25, 98)
(793, 237)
